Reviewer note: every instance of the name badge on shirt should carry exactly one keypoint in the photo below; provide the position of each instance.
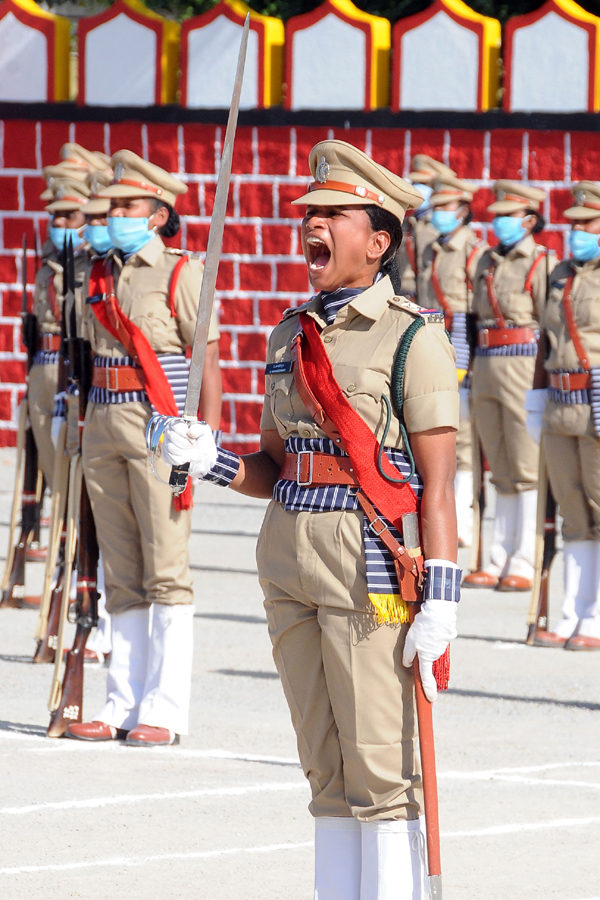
(286, 365)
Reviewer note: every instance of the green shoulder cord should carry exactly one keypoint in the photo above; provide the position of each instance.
(397, 392)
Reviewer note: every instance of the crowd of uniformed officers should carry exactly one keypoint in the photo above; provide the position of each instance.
(523, 333)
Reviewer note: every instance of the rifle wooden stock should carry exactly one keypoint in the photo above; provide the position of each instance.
(476, 557)
(46, 648)
(71, 701)
(16, 501)
(14, 593)
(545, 551)
(75, 476)
(60, 481)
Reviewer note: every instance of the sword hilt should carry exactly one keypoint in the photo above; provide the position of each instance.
(178, 478)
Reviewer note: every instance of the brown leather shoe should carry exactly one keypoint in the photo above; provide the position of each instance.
(514, 583)
(95, 731)
(548, 639)
(582, 642)
(480, 580)
(151, 736)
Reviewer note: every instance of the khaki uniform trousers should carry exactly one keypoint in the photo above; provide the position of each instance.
(573, 463)
(499, 385)
(142, 538)
(42, 385)
(350, 698)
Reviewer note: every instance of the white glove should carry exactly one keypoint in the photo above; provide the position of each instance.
(535, 404)
(189, 443)
(55, 429)
(428, 636)
(463, 396)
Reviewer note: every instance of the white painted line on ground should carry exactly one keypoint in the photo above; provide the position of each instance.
(68, 746)
(143, 860)
(523, 826)
(547, 782)
(492, 773)
(128, 799)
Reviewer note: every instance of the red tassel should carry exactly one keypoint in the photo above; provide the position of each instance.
(185, 499)
(441, 670)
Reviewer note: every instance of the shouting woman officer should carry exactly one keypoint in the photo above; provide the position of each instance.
(569, 365)
(336, 616)
(141, 315)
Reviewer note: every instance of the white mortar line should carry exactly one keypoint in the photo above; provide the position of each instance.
(407, 142)
(145, 141)
(38, 145)
(142, 860)
(486, 156)
(446, 150)
(129, 799)
(107, 139)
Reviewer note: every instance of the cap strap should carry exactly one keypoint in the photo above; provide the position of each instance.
(589, 205)
(357, 189)
(454, 191)
(75, 162)
(143, 185)
(72, 199)
(516, 199)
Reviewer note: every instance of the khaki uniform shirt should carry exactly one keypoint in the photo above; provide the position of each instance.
(48, 291)
(449, 260)
(422, 233)
(585, 302)
(142, 288)
(361, 343)
(519, 307)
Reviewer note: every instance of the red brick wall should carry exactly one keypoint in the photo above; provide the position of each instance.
(262, 271)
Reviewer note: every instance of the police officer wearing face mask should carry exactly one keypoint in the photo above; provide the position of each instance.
(446, 265)
(509, 293)
(141, 315)
(418, 230)
(67, 223)
(567, 395)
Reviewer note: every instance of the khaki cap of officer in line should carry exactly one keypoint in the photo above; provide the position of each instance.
(587, 201)
(447, 189)
(68, 195)
(511, 196)
(136, 177)
(426, 170)
(74, 156)
(346, 177)
(97, 181)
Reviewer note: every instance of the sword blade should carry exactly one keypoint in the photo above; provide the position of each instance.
(215, 241)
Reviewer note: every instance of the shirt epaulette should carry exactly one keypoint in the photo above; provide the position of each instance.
(176, 251)
(430, 316)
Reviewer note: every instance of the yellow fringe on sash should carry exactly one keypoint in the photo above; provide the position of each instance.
(390, 609)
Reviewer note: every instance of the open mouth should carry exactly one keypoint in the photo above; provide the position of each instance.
(319, 253)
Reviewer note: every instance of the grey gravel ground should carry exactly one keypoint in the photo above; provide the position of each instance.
(224, 817)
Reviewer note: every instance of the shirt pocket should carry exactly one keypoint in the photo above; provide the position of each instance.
(363, 389)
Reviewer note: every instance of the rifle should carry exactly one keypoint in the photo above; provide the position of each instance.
(13, 581)
(545, 551)
(476, 557)
(66, 704)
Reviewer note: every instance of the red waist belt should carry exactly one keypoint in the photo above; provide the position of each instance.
(502, 337)
(570, 381)
(307, 467)
(49, 342)
(118, 379)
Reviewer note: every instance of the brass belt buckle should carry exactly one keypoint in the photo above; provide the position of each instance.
(299, 480)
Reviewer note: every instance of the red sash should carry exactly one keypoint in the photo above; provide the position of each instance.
(392, 500)
(111, 316)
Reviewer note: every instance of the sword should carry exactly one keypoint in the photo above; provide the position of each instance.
(179, 474)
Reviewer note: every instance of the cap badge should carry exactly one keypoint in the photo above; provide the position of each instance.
(95, 185)
(579, 198)
(119, 171)
(60, 193)
(322, 171)
(501, 195)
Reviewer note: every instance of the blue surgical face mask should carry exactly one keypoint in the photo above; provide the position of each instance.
(508, 229)
(427, 191)
(584, 246)
(129, 233)
(98, 237)
(445, 220)
(59, 236)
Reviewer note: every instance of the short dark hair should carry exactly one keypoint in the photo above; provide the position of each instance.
(540, 221)
(173, 223)
(383, 220)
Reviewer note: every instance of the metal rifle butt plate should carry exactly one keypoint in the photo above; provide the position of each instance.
(435, 887)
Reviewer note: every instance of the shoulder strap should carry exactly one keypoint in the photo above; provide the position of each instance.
(440, 296)
(470, 259)
(409, 246)
(529, 280)
(571, 326)
(489, 280)
(173, 283)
